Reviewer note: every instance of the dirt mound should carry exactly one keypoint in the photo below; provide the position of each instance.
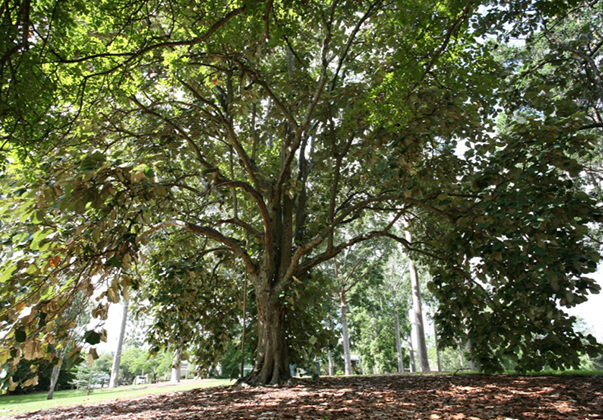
(503, 397)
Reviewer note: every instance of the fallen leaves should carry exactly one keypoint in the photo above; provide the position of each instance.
(465, 397)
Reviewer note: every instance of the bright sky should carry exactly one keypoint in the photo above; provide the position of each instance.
(592, 310)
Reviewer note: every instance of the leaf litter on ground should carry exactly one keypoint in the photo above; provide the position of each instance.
(426, 397)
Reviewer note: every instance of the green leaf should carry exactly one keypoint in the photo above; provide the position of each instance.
(92, 337)
(20, 335)
(7, 273)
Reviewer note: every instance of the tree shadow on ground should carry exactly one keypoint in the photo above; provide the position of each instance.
(379, 397)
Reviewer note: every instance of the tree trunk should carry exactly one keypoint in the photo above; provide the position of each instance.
(346, 338)
(331, 364)
(419, 330)
(330, 353)
(461, 356)
(114, 381)
(399, 343)
(175, 378)
(435, 339)
(53, 381)
(411, 350)
(471, 364)
(271, 364)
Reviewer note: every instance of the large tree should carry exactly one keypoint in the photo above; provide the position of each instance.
(264, 128)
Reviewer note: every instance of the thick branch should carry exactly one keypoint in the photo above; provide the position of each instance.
(207, 232)
(244, 225)
(257, 197)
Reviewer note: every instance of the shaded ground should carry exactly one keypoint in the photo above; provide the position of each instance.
(385, 397)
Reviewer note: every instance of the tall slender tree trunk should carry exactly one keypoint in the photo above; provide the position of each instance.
(411, 353)
(346, 338)
(243, 336)
(399, 343)
(114, 381)
(419, 329)
(176, 364)
(435, 339)
(330, 353)
(331, 364)
(470, 363)
(56, 370)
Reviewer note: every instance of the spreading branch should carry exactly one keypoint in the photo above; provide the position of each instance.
(208, 232)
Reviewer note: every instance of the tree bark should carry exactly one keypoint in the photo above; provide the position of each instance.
(419, 329)
(271, 364)
(346, 338)
(330, 353)
(331, 364)
(53, 381)
(411, 350)
(114, 381)
(435, 339)
(399, 344)
(175, 377)
(470, 363)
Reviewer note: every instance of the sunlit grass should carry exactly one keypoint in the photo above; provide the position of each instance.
(15, 404)
(569, 372)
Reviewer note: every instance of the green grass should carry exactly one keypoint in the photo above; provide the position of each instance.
(15, 404)
(569, 372)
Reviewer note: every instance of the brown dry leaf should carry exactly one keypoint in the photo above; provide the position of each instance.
(388, 397)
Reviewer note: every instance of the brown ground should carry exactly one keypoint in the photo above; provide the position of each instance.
(384, 397)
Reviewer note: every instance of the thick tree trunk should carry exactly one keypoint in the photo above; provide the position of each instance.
(346, 338)
(114, 381)
(271, 364)
(399, 344)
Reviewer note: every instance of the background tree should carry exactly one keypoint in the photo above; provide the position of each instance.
(114, 382)
(354, 267)
(396, 270)
(417, 319)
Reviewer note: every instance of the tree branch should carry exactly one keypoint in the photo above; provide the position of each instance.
(351, 38)
(207, 232)
(168, 44)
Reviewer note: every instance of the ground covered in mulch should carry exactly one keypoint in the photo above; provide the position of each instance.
(473, 397)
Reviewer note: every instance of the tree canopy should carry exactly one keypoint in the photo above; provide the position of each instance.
(256, 132)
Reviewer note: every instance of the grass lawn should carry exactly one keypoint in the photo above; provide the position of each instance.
(14, 404)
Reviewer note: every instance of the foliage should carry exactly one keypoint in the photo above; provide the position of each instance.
(372, 318)
(194, 136)
(137, 361)
(192, 298)
(525, 225)
(43, 373)
(104, 363)
(87, 378)
(230, 364)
